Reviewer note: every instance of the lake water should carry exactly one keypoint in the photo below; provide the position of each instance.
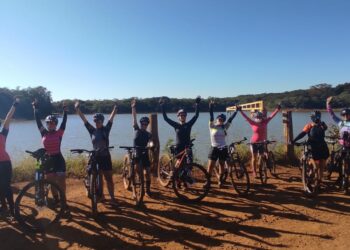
(24, 135)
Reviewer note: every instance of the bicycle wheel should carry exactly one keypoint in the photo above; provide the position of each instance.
(345, 175)
(95, 191)
(36, 208)
(309, 177)
(271, 164)
(126, 172)
(239, 177)
(164, 170)
(262, 165)
(138, 185)
(191, 182)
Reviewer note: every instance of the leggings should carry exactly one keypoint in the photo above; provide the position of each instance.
(5, 183)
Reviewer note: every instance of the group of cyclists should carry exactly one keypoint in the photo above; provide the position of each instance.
(99, 132)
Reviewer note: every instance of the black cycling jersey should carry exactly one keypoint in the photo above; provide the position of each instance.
(100, 136)
(183, 131)
(142, 137)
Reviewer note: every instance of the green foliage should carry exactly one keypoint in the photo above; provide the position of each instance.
(312, 98)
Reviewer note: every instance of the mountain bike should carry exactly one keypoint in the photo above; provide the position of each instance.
(309, 173)
(36, 208)
(235, 169)
(133, 177)
(93, 179)
(190, 181)
(265, 160)
(334, 162)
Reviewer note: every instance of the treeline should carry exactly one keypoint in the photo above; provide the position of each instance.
(312, 98)
(25, 110)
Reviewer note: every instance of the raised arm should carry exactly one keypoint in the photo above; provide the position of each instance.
(195, 117)
(133, 111)
(274, 113)
(165, 117)
(335, 118)
(64, 121)
(229, 121)
(77, 109)
(113, 113)
(250, 121)
(37, 118)
(10, 114)
(211, 112)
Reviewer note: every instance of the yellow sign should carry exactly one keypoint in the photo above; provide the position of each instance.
(259, 105)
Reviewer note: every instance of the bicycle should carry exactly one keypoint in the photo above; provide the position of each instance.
(131, 178)
(93, 179)
(36, 208)
(190, 181)
(309, 169)
(265, 160)
(235, 168)
(334, 161)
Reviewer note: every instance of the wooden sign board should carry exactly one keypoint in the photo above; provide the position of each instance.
(258, 105)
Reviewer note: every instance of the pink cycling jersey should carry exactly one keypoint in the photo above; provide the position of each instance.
(52, 141)
(259, 128)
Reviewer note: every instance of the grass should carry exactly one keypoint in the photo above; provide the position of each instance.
(24, 170)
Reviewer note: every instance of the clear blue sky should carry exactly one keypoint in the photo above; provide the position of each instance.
(98, 49)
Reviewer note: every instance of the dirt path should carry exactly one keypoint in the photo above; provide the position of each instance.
(276, 216)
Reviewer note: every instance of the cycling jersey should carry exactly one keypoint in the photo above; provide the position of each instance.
(183, 131)
(4, 156)
(316, 134)
(218, 132)
(51, 139)
(100, 136)
(344, 126)
(259, 127)
(142, 137)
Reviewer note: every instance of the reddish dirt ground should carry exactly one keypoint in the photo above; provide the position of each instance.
(274, 216)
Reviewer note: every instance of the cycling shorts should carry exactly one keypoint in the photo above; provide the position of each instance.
(55, 164)
(216, 153)
(143, 159)
(104, 162)
(257, 148)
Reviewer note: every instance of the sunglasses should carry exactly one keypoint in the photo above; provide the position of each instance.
(49, 123)
(144, 124)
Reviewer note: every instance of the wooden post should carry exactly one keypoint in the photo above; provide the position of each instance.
(288, 134)
(154, 154)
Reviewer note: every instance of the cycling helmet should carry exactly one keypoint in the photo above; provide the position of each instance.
(222, 116)
(315, 116)
(99, 117)
(144, 119)
(345, 112)
(181, 111)
(51, 118)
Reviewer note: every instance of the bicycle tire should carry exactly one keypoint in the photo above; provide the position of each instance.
(95, 191)
(309, 177)
(187, 191)
(345, 176)
(272, 164)
(138, 185)
(126, 173)
(28, 208)
(262, 165)
(239, 177)
(164, 170)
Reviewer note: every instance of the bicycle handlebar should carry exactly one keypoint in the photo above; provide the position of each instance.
(135, 147)
(239, 142)
(79, 151)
